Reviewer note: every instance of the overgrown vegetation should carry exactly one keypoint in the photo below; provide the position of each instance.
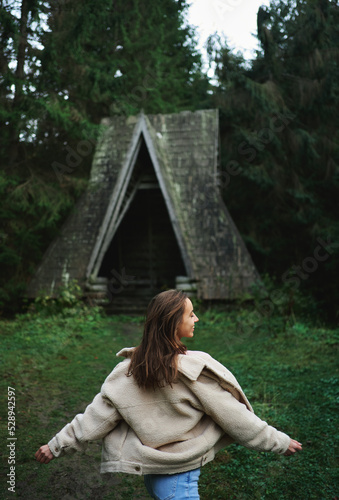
(280, 152)
(287, 367)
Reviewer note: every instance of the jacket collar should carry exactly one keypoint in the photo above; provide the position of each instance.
(126, 352)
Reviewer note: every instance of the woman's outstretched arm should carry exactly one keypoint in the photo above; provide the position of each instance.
(99, 418)
(238, 422)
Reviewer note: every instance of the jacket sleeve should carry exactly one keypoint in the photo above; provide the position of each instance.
(235, 419)
(99, 418)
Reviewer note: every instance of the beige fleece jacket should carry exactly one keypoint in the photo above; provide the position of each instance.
(170, 429)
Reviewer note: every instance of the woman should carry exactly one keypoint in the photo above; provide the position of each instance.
(164, 411)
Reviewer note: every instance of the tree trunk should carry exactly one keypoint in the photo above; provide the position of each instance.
(19, 82)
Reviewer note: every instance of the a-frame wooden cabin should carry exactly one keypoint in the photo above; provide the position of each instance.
(152, 217)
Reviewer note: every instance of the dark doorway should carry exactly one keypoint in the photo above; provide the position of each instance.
(144, 247)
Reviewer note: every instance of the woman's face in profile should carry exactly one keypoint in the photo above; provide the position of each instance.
(186, 327)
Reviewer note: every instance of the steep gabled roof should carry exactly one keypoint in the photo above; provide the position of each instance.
(124, 191)
(183, 149)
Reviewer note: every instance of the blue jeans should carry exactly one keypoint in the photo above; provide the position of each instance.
(173, 486)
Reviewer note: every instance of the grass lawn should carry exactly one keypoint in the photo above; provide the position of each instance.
(289, 372)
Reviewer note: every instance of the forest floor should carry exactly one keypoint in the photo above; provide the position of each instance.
(289, 371)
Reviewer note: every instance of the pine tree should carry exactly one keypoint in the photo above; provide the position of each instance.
(280, 142)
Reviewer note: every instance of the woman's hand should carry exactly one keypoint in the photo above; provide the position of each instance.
(293, 448)
(44, 454)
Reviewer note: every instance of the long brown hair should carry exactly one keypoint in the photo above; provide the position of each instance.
(153, 362)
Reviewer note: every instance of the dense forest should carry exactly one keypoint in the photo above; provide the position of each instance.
(64, 65)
